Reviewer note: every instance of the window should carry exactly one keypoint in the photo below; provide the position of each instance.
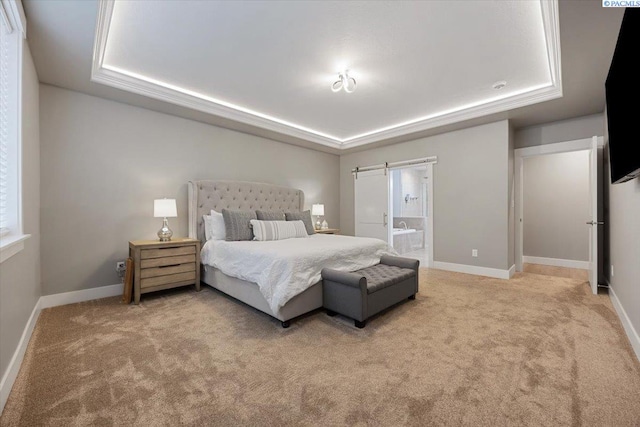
(11, 38)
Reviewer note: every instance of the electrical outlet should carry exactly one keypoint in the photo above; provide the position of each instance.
(474, 252)
(120, 266)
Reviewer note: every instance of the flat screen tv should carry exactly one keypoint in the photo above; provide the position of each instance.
(622, 90)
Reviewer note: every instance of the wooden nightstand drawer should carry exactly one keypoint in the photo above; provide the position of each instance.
(145, 273)
(152, 282)
(164, 252)
(172, 260)
(163, 265)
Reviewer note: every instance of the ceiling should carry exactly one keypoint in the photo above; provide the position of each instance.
(266, 68)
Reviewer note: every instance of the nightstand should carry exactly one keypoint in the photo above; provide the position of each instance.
(329, 231)
(164, 265)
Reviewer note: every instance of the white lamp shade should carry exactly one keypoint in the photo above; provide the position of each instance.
(164, 208)
(317, 209)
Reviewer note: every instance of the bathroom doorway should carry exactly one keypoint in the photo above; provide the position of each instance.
(394, 202)
(410, 211)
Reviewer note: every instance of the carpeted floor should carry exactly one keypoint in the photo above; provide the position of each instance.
(534, 350)
(571, 273)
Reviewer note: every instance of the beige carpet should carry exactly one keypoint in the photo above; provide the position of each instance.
(549, 270)
(534, 350)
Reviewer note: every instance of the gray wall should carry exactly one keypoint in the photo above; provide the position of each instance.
(470, 191)
(624, 246)
(104, 162)
(556, 206)
(622, 241)
(561, 131)
(20, 274)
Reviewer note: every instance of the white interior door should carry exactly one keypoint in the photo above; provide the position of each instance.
(560, 147)
(593, 222)
(372, 204)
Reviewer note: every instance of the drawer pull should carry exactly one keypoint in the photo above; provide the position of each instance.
(170, 265)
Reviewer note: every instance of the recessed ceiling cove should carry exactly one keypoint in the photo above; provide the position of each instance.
(272, 64)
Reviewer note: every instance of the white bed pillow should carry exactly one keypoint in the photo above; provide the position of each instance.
(218, 231)
(207, 226)
(277, 230)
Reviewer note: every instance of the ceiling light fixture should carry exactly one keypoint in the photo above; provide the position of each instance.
(344, 82)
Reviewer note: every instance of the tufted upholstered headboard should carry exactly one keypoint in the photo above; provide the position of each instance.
(238, 195)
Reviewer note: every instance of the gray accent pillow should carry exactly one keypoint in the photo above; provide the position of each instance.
(271, 216)
(304, 217)
(237, 225)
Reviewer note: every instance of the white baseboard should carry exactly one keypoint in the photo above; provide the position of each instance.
(47, 301)
(473, 269)
(11, 373)
(556, 262)
(626, 323)
(512, 271)
(55, 300)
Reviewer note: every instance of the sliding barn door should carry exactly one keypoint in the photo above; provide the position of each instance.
(372, 204)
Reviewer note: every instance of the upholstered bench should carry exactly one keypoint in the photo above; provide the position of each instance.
(363, 293)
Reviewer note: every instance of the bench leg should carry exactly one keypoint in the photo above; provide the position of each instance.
(412, 296)
(331, 313)
(360, 324)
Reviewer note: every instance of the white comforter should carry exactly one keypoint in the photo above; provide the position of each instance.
(285, 268)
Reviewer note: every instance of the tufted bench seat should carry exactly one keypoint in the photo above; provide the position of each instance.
(363, 293)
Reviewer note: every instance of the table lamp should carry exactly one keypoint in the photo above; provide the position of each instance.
(165, 208)
(318, 211)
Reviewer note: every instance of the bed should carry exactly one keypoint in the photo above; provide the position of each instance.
(230, 266)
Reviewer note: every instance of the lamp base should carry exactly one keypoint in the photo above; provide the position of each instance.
(165, 233)
(318, 225)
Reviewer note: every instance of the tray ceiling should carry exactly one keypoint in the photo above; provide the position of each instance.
(418, 65)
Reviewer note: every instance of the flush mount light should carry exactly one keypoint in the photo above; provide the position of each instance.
(344, 82)
(499, 85)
